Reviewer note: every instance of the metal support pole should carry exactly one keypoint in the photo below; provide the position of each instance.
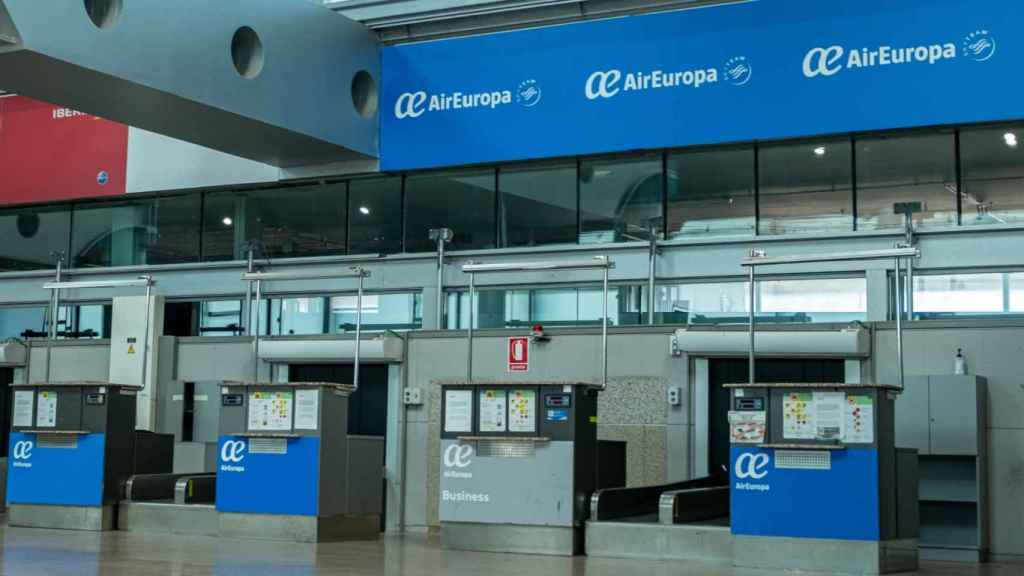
(441, 236)
(145, 333)
(54, 313)
(753, 320)
(899, 325)
(256, 334)
(469, 339)
(359, 328)
(246, 315)
(908, 223)
(651, 273)
(604, 330)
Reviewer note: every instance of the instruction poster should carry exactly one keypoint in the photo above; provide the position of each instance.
(798, 416)
(270, 411)
(23, 404)
(307, 408)
(829, 415)
(522, 411)
(747, 427)
(493, 410)
(458, 411)
(46, 411)
(860, 420)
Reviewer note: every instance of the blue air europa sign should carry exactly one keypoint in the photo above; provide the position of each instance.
(762, 69)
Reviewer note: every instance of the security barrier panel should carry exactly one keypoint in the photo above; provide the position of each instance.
(71, 451)
(287, 468)
(517, 465)
(817, 483)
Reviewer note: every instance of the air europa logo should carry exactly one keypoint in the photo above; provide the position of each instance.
(979, 45)
(610, 83)
(416, 104)
(22, 451)
(232, 453)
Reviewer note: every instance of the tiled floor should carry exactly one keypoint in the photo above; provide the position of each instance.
(29, 552)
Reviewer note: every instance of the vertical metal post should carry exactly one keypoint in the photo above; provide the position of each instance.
(604, 328)
(469, 339)
(899, 324)
(440, 282)
(54, 313)
(651, 272)
(256, 334)
(246, 315)
(908, 222)
(753, 320)
(145, 333)
(359, 326)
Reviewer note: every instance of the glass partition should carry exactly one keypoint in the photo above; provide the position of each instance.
(462, 201)
(794, 301)
(161, 230)
(32, 235)
(620, 198)
(806, 187)
(22, 322)
(902, 168)
(283, 222)
(383, 311)
(375, 215)
(992, 164)
(537, 204)
(566, 306)
(711, 193)
(949, 295)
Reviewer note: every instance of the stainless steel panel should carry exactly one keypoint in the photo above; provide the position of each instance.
(713, 544)
(508, 538)
(167, 518)
(825, 556)
(912, 419)
(92, 518)
(952, 405)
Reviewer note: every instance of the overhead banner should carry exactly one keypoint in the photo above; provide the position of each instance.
(762, 69)
(49, 152)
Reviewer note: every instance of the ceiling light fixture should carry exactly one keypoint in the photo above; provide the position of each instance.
(364, 210)
(820, 151)
(227, 221)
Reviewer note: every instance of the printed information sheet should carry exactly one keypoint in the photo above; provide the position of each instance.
(458, 411)
(522, 411)
(492, 410)
(23, 404)
(829, 415)
(307, 408)
(798, 416)
(46, 412)
(270, 411)
(860, 420)
(747, 427)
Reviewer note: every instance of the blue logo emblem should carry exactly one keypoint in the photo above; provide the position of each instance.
(738, 71)
(979, 46)
(102, 178)
(528, 93)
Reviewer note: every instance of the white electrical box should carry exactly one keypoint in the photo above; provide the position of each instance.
(675, 396)
(412, 396)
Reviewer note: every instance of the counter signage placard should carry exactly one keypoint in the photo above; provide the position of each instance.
(743, 71)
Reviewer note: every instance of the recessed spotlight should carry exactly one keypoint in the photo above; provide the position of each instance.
(227, 221)
(1011, 139)
(820, 151)
(364, 210)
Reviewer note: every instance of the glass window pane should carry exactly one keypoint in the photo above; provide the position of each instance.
(462, 201)
(388, 311)
(538, 205)
(953, 294)
(806, 187)
(220, 317)
(710, 303)
(18, 322)
(297, 316)
(918, 168)
(161, 230)
(569, 306)
(31, 235)
(375, 216)
(620, 198)
(284, 222)
(779, 301)
(711, 193)
(992, 161)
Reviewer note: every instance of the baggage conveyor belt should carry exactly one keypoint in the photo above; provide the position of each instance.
(169, 504)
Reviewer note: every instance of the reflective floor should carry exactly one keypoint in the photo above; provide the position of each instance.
(57, 553)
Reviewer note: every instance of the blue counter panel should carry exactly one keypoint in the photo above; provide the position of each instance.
(71, 476)
(840, 503)
(259, 483)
